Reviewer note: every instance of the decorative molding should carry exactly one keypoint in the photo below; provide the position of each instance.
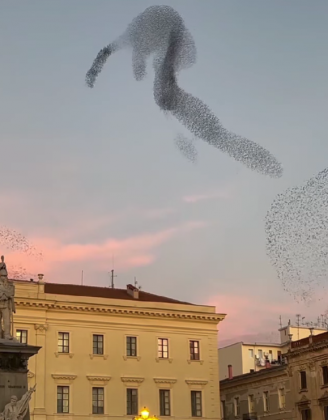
(63, 378)
(324, 362)
(41, 327)
(213, 318)
(311, 365)
(159, 359)
(199, 382)
(98, 379)
(132, 380)
(30, 375)
(289, 371)
(70, 355)
(195, 361)
(165, 382)
(323, 399)
(132, 357)
(99, 356)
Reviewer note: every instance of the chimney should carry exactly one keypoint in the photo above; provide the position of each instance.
(40, 277)
(230, 371)
(132, 291)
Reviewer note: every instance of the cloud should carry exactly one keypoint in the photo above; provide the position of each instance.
(256, 318)
(129, 252)
(223, 194)
(159, 213)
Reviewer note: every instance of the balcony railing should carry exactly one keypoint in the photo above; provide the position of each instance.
(300, 343)
(320, 337)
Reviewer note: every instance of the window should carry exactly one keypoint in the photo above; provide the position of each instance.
(282, 401)
(270, 355)
(164, 402)
(266, 406)
(223, 410)
(251, 353)
(196, 403)
(97, 400)
(62, 399)
(236, 407)
(194, 350)
(251, 403)
(98, 344)
(132, 402)
(163, 348)
(260, 353)
(279, 356)
(325, 375)
(303, 379)
(21, 336)
(131, 346)
(306, 414)
(63, 342)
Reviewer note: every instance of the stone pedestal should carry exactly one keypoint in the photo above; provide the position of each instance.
(14, 358)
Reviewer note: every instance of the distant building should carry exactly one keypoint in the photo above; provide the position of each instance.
(245, 357)
(109, 352)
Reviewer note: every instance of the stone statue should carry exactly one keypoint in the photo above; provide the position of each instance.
(17, 409)
(7, 303)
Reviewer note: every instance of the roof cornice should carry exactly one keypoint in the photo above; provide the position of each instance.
(69, 306)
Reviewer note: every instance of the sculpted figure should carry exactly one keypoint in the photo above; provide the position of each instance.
(7, 303)
(17, 409)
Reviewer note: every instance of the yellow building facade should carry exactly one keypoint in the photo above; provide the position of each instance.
(109, 352)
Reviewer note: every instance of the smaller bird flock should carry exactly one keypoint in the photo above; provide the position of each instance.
(297, 237)
(13, 241)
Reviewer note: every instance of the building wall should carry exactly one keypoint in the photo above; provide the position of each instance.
(271, 381)
(298, 333)
(251, 362)
(44, 316)
(230, 355)
(310, 359)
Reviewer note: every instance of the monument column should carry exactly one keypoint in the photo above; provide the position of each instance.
(40, 369)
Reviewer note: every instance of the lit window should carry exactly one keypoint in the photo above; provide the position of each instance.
(163, 348)
(282, 399)
(21, 336)
(194, 350)
(63, 342)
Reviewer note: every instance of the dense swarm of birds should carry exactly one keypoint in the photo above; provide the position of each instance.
(186, 147)
(160, 31)
(297, 240)
(13, 241)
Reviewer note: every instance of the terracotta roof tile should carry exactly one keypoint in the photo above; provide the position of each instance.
(105, 292)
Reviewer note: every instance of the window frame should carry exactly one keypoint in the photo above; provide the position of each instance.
(129, 346)
(58, 400)
(306, 410)
(282, 398)
(129, 409)
(99, 410)
(97, 344)
(303, 380)
(22, 331)
(251, 353)
(251, 403)
(194, 352)
(194, 396)
(266, 401)
(324, 374)
(160, 348)
(236, 406)
(163, 408)
(60, 349)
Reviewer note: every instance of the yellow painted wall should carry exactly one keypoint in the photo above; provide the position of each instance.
(230, 355)
(44, 315)
(298, 333)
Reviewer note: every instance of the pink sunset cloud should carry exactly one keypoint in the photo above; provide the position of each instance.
(133, 251)
(195, 198)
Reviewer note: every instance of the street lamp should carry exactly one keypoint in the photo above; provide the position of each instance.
(144, 415)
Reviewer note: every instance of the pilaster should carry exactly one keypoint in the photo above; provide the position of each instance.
(40, 372)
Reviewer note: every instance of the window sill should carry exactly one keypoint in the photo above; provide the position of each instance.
(324, 386)
(132, 357)
(160, 359)
(303, 390)
(98, 356)
(195, 361)
(70, 355)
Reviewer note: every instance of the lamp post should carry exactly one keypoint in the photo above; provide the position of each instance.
(144, 415)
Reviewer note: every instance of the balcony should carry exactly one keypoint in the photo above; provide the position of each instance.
(300, 343)
(250, 416)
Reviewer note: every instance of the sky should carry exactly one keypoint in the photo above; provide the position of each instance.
(94, 180)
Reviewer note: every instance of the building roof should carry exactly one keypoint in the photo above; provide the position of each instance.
(256, 375)
(105, 292)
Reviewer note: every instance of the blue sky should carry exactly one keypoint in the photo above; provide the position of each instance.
(93, 176)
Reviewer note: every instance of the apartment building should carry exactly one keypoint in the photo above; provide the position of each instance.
(110, 352)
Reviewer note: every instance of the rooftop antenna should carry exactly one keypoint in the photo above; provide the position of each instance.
(82, 278)
(112, 275)
(280, 322)
(136, 284)
(298, 316)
